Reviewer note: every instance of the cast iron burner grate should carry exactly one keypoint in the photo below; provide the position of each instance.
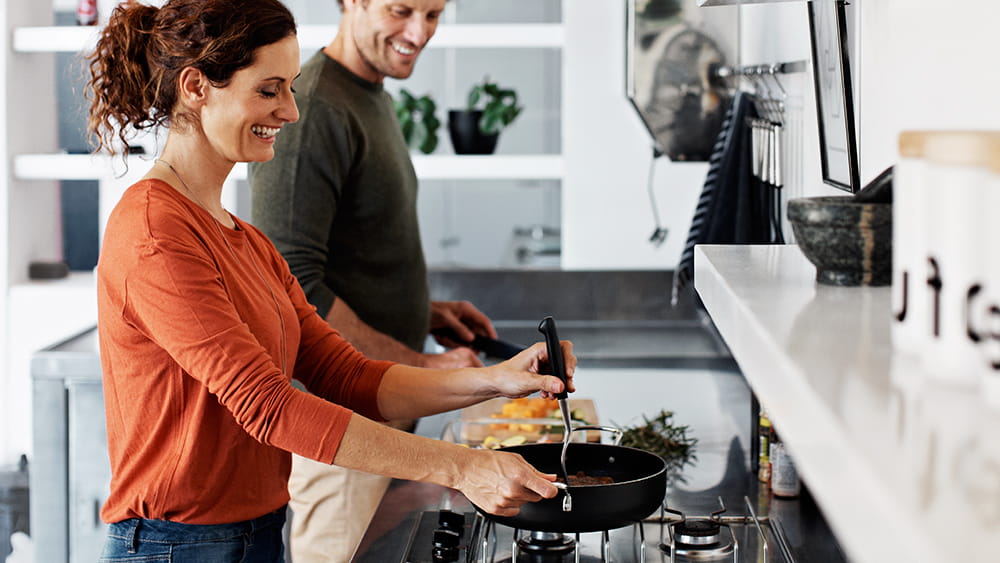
(700, 539)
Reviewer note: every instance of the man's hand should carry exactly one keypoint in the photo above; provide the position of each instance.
(463, 318)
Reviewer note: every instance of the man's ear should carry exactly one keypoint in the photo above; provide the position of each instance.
(192, 86)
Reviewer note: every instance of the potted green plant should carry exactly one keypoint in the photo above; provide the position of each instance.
(489, 109)
(418, 121)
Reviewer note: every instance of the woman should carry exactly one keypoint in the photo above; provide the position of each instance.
(202, 326)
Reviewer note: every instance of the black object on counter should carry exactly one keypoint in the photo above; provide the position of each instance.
(878, 190)
(849, 242)
(47, 270)
(447, 537)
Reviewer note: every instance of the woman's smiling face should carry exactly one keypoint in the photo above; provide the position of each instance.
(240, 120)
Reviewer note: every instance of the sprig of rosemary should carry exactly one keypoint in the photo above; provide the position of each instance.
(663, 438)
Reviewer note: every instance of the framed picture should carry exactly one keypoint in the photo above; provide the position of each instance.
(834, 101)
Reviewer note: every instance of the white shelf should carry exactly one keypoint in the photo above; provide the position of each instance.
(76, 39)
(489, 167)
(83, 282)
(896, 457)
(428, 167)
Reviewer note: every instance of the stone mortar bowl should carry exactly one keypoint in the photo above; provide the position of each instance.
(848, 241)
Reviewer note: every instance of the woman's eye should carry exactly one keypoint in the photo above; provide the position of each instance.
(268, 93)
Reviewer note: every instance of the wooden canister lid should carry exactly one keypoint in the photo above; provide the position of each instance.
(911, 143)
(963, 148)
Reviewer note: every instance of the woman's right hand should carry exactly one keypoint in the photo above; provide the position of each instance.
(500, 482)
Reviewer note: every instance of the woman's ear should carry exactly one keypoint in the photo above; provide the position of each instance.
(192, 86)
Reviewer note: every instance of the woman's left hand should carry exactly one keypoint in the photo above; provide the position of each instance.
(521, 375)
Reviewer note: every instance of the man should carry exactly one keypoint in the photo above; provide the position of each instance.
(339, 202)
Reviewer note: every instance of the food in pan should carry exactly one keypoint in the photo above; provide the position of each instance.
(581, 479)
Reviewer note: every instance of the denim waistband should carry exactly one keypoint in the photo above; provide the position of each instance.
(167, 531)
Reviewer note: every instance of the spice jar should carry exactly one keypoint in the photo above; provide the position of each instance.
(784, 477)
(763, 455)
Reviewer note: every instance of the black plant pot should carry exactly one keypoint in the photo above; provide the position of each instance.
(466, 138)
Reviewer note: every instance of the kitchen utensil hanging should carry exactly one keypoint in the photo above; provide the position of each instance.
(767, 133)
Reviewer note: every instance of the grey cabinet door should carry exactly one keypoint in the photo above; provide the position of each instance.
(89, 470)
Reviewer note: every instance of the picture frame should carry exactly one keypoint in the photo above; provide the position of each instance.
(834, 94)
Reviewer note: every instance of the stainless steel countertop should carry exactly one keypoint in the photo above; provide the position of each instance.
(808, 535)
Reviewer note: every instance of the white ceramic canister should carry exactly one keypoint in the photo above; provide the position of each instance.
(956, 229)
(990, 345)
(909, 214)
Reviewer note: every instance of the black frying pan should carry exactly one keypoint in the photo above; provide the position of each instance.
(640, 485)
(640, 480)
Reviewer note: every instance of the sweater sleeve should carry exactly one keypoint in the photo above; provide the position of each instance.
(297, 193)
(327, 364)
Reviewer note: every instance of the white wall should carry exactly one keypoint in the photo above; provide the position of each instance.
(606, 213)
(919, 65)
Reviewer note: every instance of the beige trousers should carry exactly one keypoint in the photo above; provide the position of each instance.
(331, 509)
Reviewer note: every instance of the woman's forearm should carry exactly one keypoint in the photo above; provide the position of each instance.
(366, 446)
(411, 392)
(496, 481)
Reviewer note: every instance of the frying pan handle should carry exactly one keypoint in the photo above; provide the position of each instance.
(618, 432)
(558, 366)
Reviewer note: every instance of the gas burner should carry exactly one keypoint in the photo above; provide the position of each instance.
(699, 540)
(700, 531)
(546, 543)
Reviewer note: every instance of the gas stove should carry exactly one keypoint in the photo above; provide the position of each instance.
(669, 536)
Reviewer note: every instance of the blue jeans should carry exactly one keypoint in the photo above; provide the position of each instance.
(140, 540)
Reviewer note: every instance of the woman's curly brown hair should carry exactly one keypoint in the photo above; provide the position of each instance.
(143, 49)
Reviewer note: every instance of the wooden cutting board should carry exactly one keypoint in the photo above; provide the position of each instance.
(478, 422)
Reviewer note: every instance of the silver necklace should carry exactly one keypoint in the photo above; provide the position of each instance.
(253, 260)
(187, 188)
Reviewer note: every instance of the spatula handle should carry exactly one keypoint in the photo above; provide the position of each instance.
(558, 366)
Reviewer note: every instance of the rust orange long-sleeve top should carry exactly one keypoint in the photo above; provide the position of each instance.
(201, 413)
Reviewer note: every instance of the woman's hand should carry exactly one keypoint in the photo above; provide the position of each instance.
(521, 376)
(500, 482)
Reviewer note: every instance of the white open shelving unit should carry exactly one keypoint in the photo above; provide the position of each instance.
(54, 39)
(73, 39)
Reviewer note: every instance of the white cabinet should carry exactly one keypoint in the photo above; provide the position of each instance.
(70, 471)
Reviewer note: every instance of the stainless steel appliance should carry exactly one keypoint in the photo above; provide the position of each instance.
(669, 536)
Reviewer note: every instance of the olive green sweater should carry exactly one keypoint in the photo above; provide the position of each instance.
(339, 200)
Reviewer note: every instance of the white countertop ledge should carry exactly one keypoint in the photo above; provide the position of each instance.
(903, 464)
